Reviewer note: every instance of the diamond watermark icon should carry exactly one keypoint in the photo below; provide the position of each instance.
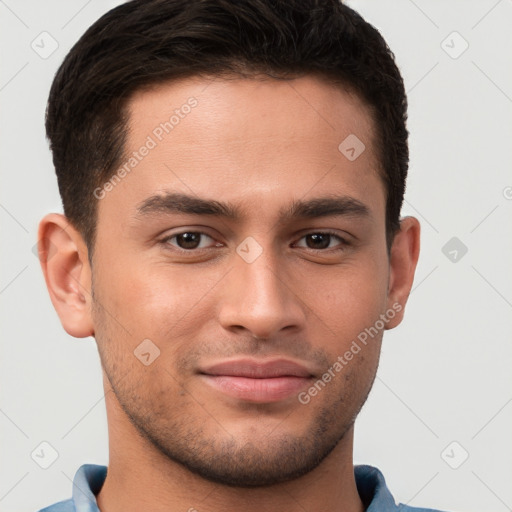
(454, 249)
(249, 250)
(352, 147)
(44, 45)
(455, 455)
(454, 45)
(44, 455)
(51, 250)
(146, 352)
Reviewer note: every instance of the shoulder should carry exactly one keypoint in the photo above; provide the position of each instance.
(375, 494)
(61, 506)
(87, 483)
(406, 508)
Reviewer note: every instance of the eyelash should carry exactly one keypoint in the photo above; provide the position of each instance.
(342, 245)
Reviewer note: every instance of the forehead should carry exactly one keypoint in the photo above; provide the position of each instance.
(235, 109)
(256, 142)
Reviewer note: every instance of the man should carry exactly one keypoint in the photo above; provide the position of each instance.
(232, 174)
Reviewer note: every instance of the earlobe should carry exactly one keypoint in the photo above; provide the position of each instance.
(64, 260)
(403, 260)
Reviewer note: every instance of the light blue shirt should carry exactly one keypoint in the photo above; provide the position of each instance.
(370, 484)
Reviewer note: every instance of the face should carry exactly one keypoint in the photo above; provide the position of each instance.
(237, 260)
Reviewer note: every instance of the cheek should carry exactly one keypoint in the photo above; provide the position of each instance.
(156, 301)
(348, 299)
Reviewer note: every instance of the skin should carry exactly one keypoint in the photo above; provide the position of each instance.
(176, 443)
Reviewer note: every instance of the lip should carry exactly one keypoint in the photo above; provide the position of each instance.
(257, 381)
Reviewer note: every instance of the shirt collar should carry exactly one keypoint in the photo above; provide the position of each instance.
(373, 490)
(86, 485)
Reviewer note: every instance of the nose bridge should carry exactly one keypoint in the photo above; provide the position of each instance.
(257, 296)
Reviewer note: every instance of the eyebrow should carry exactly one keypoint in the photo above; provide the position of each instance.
(178, 203)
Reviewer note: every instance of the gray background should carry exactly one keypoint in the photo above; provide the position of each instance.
(445, 372)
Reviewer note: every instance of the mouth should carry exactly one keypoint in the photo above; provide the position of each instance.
(257, 381)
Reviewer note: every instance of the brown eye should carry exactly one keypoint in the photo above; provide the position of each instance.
(189, 240)
(321, 241)
(318, 240)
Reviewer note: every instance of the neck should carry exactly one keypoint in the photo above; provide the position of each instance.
(141, 478)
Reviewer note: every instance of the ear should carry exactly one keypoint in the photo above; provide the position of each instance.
(64, 260)
(404, 255)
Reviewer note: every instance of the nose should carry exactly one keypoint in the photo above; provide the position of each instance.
(261, 298)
